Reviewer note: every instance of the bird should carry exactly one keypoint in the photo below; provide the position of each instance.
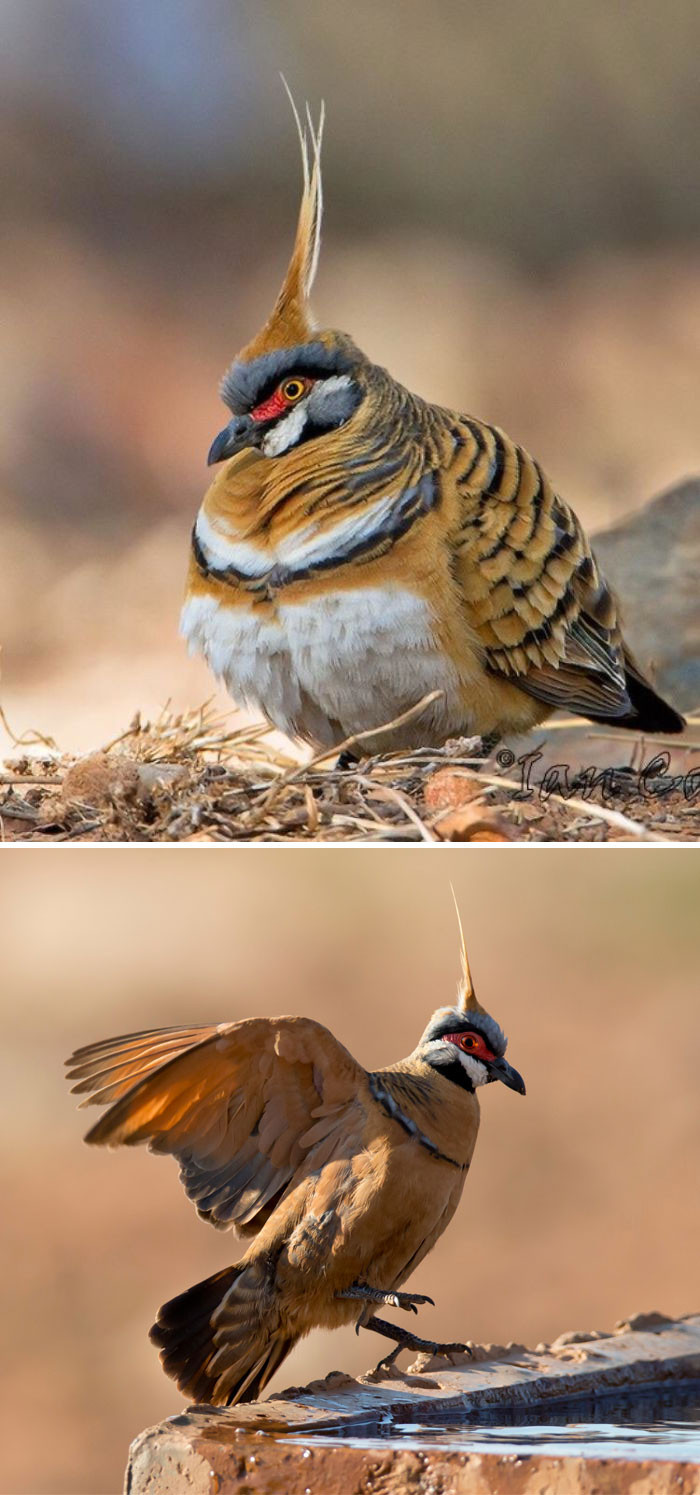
(364, 555)
(341, 1178)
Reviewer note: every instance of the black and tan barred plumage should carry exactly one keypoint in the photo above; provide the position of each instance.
(362, 548)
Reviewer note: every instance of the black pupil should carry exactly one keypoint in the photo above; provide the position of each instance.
(293, 389)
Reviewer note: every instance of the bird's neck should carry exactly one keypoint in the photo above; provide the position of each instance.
(425, 1102)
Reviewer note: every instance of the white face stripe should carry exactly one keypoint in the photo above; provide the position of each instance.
(286, 432)
(477, 1071)
(296, 551)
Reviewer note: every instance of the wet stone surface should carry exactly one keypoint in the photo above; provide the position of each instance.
(514, 1420)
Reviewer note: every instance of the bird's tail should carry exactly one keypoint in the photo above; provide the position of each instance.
(650, 713)
(221, 1340)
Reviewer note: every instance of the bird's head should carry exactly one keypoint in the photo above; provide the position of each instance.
(468, 1047)
(464, 1043)
(293, 383)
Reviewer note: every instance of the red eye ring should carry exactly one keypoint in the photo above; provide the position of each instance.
(289, 392)
(470, 1043)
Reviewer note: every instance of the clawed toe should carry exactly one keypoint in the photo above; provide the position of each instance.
(404, 1340)
(408, 1301)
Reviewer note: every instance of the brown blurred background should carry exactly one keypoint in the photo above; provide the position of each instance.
(512, 225)
(582, 1204)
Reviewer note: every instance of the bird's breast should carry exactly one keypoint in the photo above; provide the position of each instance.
(368, 1218)
(326, 642)
(326, 665)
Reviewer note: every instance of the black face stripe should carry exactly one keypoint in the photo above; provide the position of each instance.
(454, 1070)
(248, 384)
(412, 505)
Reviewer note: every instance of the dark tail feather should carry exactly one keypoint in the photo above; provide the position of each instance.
(650, 713)
(185, 1336)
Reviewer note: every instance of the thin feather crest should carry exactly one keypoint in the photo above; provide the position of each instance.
(466, 996)
(291, 321)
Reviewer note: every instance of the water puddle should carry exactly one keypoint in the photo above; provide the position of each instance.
(660, 1424)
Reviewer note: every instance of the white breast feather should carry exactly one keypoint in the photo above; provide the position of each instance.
(329, 667)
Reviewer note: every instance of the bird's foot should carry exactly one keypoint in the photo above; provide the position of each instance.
(405, 1340)
(345, 761)
(407, 1301)
(489, 741)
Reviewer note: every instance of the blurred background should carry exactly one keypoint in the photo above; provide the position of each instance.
(582, 1203)
(512, 225)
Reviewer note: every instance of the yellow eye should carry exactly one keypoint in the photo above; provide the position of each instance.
(293, 389)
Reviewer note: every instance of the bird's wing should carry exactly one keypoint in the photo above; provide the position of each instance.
(241, 1106)
(541, 609)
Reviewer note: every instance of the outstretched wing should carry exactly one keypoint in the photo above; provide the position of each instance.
(241, 1106)
(535, 597)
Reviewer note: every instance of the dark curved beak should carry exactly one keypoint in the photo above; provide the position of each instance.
(234, 437)
(499, 1069)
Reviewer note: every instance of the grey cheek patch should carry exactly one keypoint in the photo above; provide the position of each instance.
(333, 401)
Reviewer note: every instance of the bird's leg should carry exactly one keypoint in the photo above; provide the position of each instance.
(346, 760)
(408, 1301)
(405, 1340)
(489, 741)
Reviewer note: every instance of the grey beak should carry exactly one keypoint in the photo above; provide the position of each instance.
(232, 439)
(500, 1070)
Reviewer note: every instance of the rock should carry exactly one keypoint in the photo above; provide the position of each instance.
(102, 780)
(449, 788)
(337, 1436)
(652, 560)
(576, 1336)
(97, 781)
(641, 1322)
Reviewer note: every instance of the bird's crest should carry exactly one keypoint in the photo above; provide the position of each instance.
(291, 321)
(466, 996)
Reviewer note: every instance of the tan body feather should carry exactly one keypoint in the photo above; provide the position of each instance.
(341, 571)
(281, 1133)
(484, 561)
